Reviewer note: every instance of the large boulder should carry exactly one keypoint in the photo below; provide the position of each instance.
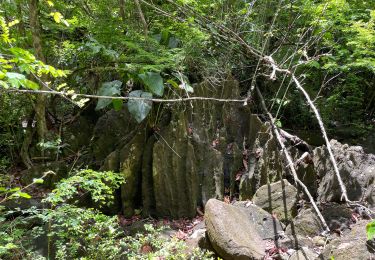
(357, 170)
(352, 245)
(239, 232)
(279, 198)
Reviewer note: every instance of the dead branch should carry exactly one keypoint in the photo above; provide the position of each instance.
(324, 133)
(289, 160)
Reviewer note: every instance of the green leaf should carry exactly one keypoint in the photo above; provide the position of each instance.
(370, 230)
(154, 82)
(278, 123)
(38, 181)
(108, 89)
(29, 84)
(4, 84)
(20, 194)
(139, 109)
(57, 16)
(117, 104)
(14, 79)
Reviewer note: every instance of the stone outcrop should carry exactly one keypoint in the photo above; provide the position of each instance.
(130, 157)
(352, 245)
(174, 172)
(238, 232)
(357, 170)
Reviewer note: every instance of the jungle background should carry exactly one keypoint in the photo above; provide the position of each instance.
(104, 104)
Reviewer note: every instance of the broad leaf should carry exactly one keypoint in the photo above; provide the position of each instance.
(370, 230)
(110, 89)
(154, 82)
(14, 79)
(29, 84)
(139, 109)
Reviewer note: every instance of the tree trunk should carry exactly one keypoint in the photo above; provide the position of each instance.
(142, 17)
(122, 10)
(40, 102)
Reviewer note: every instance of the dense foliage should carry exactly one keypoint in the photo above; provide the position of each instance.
(159, 49)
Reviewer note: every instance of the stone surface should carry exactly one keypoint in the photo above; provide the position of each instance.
(303, 254)
(266, 226)
(337, 216)
(305, 224)
(237, 232)
(279, 198)
(352, 245)
(130, 158)
(112, 130)
(60, 170)
(357, 170)
(174, 172)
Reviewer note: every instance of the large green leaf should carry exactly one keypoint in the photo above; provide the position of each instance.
(139, 109)
(110, 89)
(370, 230)
(154, 82)
(15, 79)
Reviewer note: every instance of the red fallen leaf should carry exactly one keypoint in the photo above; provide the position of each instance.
(181, 235)
(274, 215)
(146, 249)
(238, 176)
(227, 199)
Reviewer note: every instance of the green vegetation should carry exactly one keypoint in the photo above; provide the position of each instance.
(103, 55)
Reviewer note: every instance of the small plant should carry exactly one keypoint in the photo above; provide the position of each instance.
(100, 185)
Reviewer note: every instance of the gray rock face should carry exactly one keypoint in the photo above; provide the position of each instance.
(279, 198)
(174, 172)
(307, 223)
(357, 169)
(350, 246)
(237, 232)
(303, 254)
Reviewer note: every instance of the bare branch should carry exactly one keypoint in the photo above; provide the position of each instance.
(289, 160)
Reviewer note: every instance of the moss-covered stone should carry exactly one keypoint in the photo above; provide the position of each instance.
(130, 158)
(174, 171)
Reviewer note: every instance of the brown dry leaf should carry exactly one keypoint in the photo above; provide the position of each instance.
(146, 249)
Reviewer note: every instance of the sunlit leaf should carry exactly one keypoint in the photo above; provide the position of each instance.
(370, 230)
(38, 181)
